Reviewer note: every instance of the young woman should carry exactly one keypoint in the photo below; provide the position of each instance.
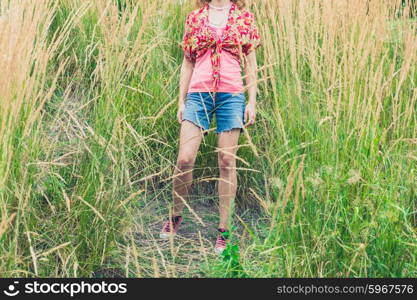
(220, 36)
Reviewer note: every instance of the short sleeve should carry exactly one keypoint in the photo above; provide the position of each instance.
(187, 40)
(253, 38)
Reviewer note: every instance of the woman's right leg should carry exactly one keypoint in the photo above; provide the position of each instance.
(190, 140)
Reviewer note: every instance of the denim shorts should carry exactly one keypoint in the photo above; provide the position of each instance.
(229, 109)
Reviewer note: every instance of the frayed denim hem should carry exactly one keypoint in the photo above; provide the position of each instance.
(203, 130)
(229, 129)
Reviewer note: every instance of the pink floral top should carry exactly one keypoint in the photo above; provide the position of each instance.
(240, 36)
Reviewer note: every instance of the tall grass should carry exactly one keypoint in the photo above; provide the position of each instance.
(88, 94)
(341, 142)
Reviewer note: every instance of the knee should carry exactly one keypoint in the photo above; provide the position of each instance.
(185, 161)
(227, 162)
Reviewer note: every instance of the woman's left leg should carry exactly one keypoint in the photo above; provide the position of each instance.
(227, 148)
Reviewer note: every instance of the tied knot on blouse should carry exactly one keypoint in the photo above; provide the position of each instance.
(240, 37)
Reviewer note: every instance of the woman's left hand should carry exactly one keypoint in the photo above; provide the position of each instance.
(250, 114)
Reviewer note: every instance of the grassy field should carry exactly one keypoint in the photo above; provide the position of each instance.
(327, 176)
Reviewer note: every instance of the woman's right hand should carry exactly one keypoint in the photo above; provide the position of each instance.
(181, 107)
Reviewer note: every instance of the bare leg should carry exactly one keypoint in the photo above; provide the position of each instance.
(190, 140)
(227, 144)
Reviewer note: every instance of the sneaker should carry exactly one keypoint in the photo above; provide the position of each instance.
(171, 227)
(221, 241)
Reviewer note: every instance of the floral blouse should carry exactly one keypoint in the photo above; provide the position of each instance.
(240, 36)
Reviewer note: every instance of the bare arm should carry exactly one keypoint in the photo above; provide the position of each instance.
(251, 72)
(185, 77)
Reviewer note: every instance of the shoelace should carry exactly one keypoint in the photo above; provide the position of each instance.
(167, 226)
(221, 241)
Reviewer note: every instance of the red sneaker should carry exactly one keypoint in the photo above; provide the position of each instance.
(221, 241)
(171, 227)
